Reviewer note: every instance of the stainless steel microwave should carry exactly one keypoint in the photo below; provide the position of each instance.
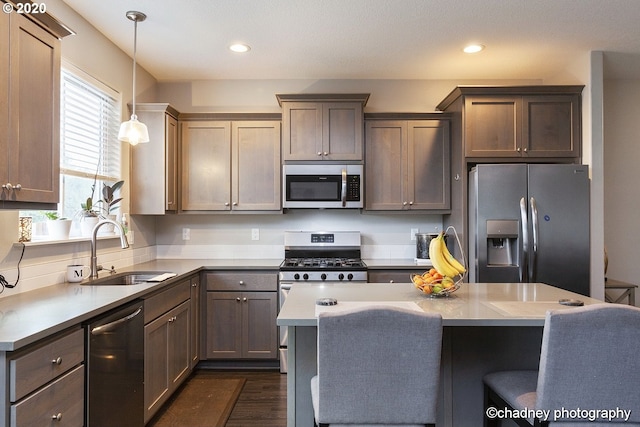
(322, 186)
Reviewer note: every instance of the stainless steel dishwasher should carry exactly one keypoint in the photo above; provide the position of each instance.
(115, 368)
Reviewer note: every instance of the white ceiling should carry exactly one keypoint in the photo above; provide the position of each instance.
(371, 39)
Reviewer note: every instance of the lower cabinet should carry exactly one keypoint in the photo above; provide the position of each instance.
(167, 338)
(241, 315)
(46, 383)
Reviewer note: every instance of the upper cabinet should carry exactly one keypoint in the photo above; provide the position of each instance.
(322, 126)
(154, 171)
(520, 123)
(230, 165)
(29, 113)
(407, 164)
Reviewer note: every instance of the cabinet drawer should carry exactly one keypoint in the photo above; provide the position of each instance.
(64, 398)
(249, 281)
(160, 303)
(39, 366)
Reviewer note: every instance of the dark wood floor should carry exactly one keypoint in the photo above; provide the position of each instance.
(263, 400)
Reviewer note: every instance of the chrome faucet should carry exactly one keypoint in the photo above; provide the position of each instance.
(124, 244)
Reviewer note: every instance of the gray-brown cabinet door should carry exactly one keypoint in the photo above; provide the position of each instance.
(342, 128)
(259, 332)
(386, 157)
(255, 182)
(179, 343)
(429, 164)
(302, 130)
(551, 126)
(171, 163)
(206, 165)
(33, 141)
(195, 332)
(156, 359)
(492, 126)
(224, 325)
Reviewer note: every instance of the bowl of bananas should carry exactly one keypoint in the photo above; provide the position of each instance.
(447, 273)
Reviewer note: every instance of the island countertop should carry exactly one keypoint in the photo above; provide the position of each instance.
(474, 304)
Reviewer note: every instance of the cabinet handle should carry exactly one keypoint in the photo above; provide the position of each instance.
(57, 417)
(319, 153)
(244, 299)
(241, 282)
(173, 319)
(325, 154)
(518, 149)
(404, 203)
(526, 150)
(411, 203)
(391, 281)
(8, 186)
(235, 203)
(57, 361)
(238, 299)
(194, 285)
(226, 203)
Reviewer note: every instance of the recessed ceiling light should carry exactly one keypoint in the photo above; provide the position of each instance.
(240, 48)
(473, 48)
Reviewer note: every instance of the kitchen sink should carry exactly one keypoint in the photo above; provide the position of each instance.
(129, 278)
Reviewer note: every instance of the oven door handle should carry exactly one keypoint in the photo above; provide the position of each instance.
(344, 188)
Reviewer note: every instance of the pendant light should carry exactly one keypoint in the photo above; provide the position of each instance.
(134, 131)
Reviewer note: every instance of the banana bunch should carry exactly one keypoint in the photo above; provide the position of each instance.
(442, 259)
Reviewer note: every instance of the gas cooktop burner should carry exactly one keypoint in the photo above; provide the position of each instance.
(305, 263)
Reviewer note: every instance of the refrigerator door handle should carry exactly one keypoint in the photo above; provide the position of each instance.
(523, 270)
(534, 252)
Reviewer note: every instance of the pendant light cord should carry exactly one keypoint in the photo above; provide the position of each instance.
(135, 48)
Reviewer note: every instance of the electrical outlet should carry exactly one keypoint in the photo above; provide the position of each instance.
(130, 237)
(186, 234)
(413, 233)
(255, 234)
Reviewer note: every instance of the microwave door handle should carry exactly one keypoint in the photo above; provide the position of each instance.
(344, 188)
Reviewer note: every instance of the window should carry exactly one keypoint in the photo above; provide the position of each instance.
(90, 151)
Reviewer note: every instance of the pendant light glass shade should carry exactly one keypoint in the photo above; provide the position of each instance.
(133, 131)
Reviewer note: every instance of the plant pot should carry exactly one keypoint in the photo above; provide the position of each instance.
(86, 225)
(108, 229)
(59, 229)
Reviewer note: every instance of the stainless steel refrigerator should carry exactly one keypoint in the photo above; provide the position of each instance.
(530, 223)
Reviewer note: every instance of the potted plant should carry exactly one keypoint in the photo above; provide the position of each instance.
(88, 216)
(109, 203)
(57, 227)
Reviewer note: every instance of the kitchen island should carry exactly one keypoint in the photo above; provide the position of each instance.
(487, 327)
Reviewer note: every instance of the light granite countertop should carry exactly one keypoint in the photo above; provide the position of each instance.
(474, 304)
(30, 316)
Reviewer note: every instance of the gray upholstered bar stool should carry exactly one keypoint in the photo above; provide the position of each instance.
(590, 360)
(377, 366)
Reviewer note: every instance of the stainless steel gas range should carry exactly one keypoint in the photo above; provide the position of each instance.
(315, 257)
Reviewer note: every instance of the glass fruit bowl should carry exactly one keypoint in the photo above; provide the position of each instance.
(434, 285)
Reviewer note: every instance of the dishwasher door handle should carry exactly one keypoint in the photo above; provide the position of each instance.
(98, 330)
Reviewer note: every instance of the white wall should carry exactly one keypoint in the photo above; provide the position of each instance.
(229, 236)
(621, 191)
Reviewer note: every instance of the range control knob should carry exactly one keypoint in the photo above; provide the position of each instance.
(296, 276)
(340, 276)
(323, 276)
(350, 276)
(305, 276)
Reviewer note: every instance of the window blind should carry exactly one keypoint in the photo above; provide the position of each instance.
(89, 123)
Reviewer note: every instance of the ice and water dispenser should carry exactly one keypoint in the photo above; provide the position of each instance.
(502, 242)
